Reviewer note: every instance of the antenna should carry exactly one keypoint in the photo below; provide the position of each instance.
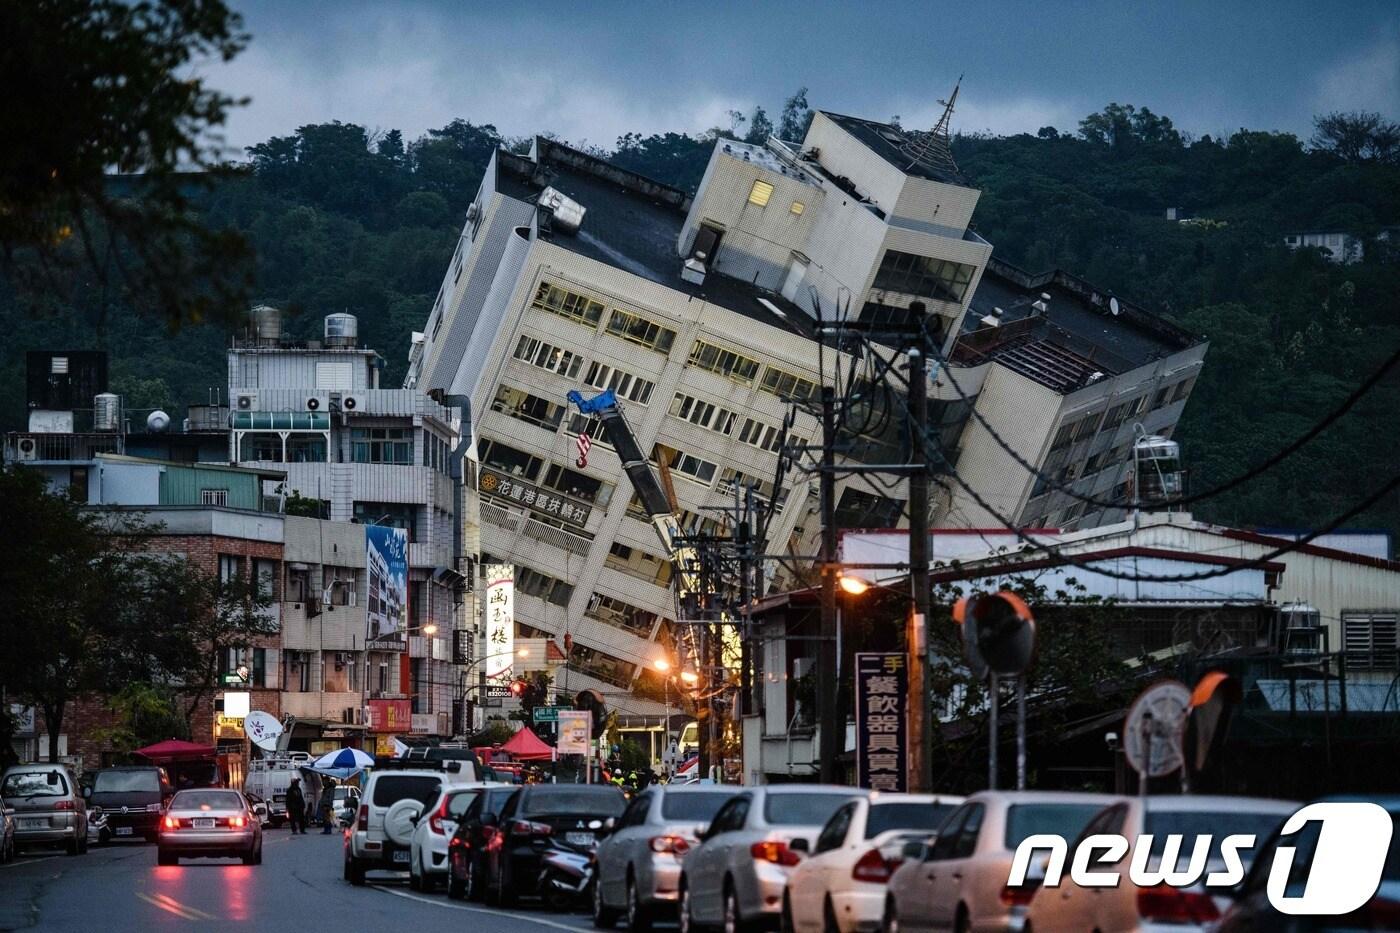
(933, 149)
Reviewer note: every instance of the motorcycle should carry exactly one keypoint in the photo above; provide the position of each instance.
(567, 874)
(97, 827)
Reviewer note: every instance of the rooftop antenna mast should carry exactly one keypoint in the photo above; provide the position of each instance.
(933, 149)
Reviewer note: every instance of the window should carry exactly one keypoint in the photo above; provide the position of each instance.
(688, 465)
(605, 667)
(265, 572)
(213, 497)
(725, 362)
(624, 384)
(639, 563)
(706, 243)
(967, 835)
(702, 413)
(731, 478)
(566, 304)
(528, 408)
(797, 208)
(548, 356)
(230, 567)
(763, 436)
(532, 582)
(572, 483)
(923, 276)
(1371, 640)
(381, 445)
(639, 330)
(390, 515)
(509, 460)
(857, 509)
(834, 832)
(623, 615)
(302, 448)
(1183, 389)
(760, 193)
(592, 425)
(334, 376)
(298, 586)
(787, 385)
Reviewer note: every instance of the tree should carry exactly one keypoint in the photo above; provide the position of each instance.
(1358, 136)
(94, 86)
(760, 127)
(390, 146)
(795, 118)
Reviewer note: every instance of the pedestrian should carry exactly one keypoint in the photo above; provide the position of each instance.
(326, 806)
(296, 807)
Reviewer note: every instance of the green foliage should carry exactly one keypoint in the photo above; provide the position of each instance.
(632, 758)
(1358, 137)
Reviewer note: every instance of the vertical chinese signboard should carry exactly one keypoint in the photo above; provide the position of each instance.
(882, 731)
(499, 658)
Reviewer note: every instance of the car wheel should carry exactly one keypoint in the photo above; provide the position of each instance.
(829, 924)
(83, 843)
(891, 922)
(415, 881)
(456, 887)
(72, 847)
(603, 918)
(733, 920)
(166, 858)
(683, 910)
(962, 924)
(356, 871)
(428, 881)
(253, 857)
(476, 890)
(639, 915)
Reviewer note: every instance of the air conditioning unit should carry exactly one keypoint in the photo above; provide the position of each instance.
(247, 401)
(316, 403)
(353, 401)
(26, 448)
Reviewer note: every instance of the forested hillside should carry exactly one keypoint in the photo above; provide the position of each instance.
(340, 221)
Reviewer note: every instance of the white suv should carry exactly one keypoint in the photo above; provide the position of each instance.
(393, 799)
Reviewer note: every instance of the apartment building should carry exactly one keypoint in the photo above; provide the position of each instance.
(701, 313)
(355, 452)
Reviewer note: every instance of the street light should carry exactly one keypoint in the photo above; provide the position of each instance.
(855, 586)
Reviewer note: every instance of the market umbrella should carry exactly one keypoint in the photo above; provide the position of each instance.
(526, 746)
(174, 749)
(342, 764)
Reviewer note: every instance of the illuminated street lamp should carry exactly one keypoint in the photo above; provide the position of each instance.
(855, 586)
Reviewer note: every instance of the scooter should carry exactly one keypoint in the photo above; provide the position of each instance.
(567, 876)
(97, 827)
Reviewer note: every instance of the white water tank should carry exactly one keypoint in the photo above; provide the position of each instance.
(107, 412)
(342, 330)
(157, 421)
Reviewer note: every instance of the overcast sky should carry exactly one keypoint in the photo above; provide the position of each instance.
(590, 70)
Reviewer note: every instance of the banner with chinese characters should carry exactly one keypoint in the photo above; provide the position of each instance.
(499, 658)
(386, 552)
(536, 498)
(390, 715)
(882, 731)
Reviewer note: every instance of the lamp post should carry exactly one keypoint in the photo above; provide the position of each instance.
(466, 669)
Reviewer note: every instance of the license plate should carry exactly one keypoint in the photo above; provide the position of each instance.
(204, 823)
(401, 856)
(123, 830)
(579, 839)
(42, 823)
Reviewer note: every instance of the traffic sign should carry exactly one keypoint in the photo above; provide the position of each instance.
(546, 713)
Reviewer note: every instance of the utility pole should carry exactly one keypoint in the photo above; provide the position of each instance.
(742, 540)
(832, 744)
(917, 637)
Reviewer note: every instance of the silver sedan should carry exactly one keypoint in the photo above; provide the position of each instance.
(210, 822)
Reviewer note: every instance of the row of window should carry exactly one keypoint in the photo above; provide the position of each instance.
(923, 276)
(587, 311)
(535, 583)
(623, 615)
(688, 465)
(507, 459)
(762, 192)
(703, 414)
(1086, 426)
(724, 362)
(639, 563)
(567, 363)
(603, 666)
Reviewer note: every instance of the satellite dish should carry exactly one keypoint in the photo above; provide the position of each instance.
(1153, 731)
(998, 632)
(262, 729)
(1113, 305)
(157, 421)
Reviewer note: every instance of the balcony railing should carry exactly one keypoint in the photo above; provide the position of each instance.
(40, 446)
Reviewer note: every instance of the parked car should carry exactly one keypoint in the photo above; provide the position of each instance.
(209, 822)
(131, 800)
(639, 860)
(345, 803)
(535, 817)
(1251, 910)
(840, 888)
(7, 834)
(1127, 906)
(259, 809)
(736, 876)
(433, 828)
(466, 850)
(382, 836)
(959, 883)
(48, 810)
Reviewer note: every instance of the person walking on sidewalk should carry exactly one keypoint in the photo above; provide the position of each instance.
(296, 807)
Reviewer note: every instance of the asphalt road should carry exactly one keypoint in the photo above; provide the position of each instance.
(298, 887)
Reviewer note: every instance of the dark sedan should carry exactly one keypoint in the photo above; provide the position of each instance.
(466, 851)
(536, 817)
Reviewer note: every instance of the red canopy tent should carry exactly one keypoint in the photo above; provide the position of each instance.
(176, 750)
(526, 746)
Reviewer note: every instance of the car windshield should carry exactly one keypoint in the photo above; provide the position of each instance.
(887, 816)
(801, 809)
(126, 782)
(34, 784)
(391, 788)
(207, 800)
(688, 807)
(1215, 824)
(563, 798)
(1060, 819)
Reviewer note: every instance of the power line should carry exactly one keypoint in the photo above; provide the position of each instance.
(1287, 451)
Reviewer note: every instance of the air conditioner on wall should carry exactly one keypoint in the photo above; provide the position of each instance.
(316, 403)
(353, 401)
(247, 401)
(26, 448)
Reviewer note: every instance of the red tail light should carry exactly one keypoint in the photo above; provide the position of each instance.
(435, 821)
(527, 828)
(236, 822)
(362, 824)
(455, 842)
(776, 852)
(872, 867)
(676, 845)
(1018, 896)
(65, 805)
(1166, 904)
(171, 823)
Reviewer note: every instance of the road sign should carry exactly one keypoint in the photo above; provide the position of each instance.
(575, 726)
(1153, 730)
(546, 713)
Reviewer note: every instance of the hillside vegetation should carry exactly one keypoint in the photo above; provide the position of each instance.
(342, 221)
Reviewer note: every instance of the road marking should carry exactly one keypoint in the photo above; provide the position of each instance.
(167, 903)
(481, 910)
(17, 863)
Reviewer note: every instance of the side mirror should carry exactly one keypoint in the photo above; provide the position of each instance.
(800, 845)
(702, 831)
(609, 827)
(87, 792)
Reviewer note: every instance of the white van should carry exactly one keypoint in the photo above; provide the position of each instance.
(269, 779)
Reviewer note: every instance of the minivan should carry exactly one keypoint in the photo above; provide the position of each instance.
(48, 810)
(131, 798)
